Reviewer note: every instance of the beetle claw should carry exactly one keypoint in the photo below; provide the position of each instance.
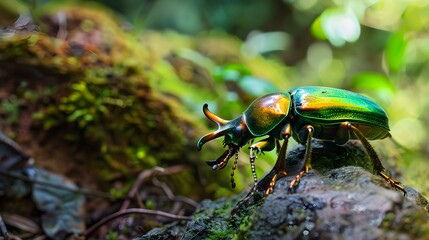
(295, 182)
(273, 181)
(394, 183)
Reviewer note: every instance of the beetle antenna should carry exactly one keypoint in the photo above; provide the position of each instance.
(252, 158)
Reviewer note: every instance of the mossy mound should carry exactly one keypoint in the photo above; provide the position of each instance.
(82, 92)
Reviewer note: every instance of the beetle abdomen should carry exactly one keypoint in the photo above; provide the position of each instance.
(323, 105)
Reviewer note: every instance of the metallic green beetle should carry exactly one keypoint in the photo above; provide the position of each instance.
(302, 113)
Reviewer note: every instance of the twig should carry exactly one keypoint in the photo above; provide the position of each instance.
(186, 200)
(146, 174)
(169, 193)
(120, 213)
(167, 190)
(139, 201)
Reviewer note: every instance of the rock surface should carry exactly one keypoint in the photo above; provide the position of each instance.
(339, 199)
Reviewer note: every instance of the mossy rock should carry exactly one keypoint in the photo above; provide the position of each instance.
(338, 199)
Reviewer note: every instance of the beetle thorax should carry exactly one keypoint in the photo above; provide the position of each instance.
(267, 112)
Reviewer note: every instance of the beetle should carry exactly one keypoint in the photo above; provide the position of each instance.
(303, 113)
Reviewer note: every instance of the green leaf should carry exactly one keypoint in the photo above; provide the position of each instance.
(372, 81)
(242, 76)
(231, 72)
(75, 115)
(376, 83)
(394, 52)
(316, 29)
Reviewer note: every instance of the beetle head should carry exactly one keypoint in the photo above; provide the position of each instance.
(235, 131)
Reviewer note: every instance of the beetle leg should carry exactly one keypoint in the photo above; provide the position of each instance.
(308, 150)
(279, 167)
(376, 163)
(244, 200)
(259, 147)
(254, 147)
(278, 146)
(294, 183)
(268, 144)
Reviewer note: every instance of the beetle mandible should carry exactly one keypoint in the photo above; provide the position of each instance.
(324, 113)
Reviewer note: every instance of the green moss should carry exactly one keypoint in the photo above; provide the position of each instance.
(219, 231)
(246, 223)
(11, 109)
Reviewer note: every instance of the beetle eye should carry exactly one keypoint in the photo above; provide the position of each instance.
(237, 132)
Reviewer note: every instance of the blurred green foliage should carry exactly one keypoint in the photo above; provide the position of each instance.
(238, 50)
